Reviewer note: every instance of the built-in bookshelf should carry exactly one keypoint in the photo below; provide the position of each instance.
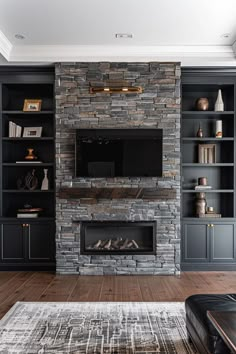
(219, 169)
(209, 239)
(25, 205)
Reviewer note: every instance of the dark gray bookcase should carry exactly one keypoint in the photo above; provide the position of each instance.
(208, 243)
(26, 243)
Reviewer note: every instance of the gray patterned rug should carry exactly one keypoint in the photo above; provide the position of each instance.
(94, 327)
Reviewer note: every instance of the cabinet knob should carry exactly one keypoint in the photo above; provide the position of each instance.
(208, 225)
(23, 225)
(212, 225)
(26, 225)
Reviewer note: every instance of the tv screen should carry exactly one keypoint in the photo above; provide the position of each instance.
(119, 153)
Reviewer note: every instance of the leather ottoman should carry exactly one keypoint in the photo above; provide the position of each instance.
(200, 330)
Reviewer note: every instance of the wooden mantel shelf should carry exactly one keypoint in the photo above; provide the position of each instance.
(117, 193)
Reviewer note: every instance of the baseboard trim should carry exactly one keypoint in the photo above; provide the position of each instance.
(28, 267)
(195, 267)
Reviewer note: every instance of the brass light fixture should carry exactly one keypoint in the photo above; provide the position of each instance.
(116, 89)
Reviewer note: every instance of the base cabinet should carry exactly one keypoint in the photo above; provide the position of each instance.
(222, 242)
(208, 246)
(12, 243)
(27, 245)
(195, 243)
(40, 242)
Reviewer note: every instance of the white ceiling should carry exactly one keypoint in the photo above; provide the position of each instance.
(69, 30)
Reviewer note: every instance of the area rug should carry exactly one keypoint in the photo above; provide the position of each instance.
(95, 327)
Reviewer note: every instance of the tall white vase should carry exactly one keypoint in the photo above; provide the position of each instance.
(219, 104)
(45, 184)
(218, 133)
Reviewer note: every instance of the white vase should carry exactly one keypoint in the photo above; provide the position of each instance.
(218, 133)
(45, 186)
(219, 104)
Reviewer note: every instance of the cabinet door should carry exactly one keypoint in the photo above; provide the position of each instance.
(41, 241)
(196, 243)
(12, 243)
(222, 242)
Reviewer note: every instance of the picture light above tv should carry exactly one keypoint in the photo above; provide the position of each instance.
(118, 153)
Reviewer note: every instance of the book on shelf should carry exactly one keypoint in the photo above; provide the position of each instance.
(27, 215)
(28, 161)
(202, 187)
(12, 129)
(15, 130)
(210, 215)
(18, 131)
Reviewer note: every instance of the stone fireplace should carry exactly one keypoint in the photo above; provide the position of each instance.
(125, 200)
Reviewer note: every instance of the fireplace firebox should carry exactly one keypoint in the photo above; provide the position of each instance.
(118, 237)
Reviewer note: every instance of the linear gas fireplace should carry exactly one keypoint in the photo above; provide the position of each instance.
(118, 237)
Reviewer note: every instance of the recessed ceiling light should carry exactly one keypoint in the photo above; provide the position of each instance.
(225, 35)
(124, 35)
(19, 36)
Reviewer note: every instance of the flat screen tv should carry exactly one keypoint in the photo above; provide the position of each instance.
(118, 153)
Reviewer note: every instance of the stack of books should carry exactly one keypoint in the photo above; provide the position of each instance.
(15, 130)
(28, 161)
(202, 187)
(28, 212)
(210, 215)
(27, 215)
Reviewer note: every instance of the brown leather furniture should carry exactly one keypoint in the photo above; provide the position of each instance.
(200, 330)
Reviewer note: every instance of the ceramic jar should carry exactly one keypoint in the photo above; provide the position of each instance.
(202, 104)
(200, 204)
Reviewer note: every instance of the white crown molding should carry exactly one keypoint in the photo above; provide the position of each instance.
(187, 55)
(5, 46)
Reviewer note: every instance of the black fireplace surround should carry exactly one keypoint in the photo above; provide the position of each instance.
(117, 237)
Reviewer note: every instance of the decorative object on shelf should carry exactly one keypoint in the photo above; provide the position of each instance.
(200, 131)
(32, 105)
(30, 156)
(31, 181)
(45, 184)
(210, 215)
(219, 104)
(119, 88)
(202, 181)
(28, 212)
(32, 132)
(207, 153)
(202, 188)
(200, 204)
(219, 129)
(202, 184)
(14, 130)
(202, 104)
(210, 209)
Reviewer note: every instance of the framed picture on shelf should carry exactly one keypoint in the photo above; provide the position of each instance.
(31, 105)
(207, 153)
(32, 132)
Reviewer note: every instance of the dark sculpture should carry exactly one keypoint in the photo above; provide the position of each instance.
(30, 181)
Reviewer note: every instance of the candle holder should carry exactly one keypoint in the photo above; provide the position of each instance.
(30, 156)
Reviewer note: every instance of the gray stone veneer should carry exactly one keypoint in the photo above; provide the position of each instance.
(157, 107)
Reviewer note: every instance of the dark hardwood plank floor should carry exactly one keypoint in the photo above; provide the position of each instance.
(40, 286)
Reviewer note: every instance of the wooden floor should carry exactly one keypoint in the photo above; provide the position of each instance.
(39, 286)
